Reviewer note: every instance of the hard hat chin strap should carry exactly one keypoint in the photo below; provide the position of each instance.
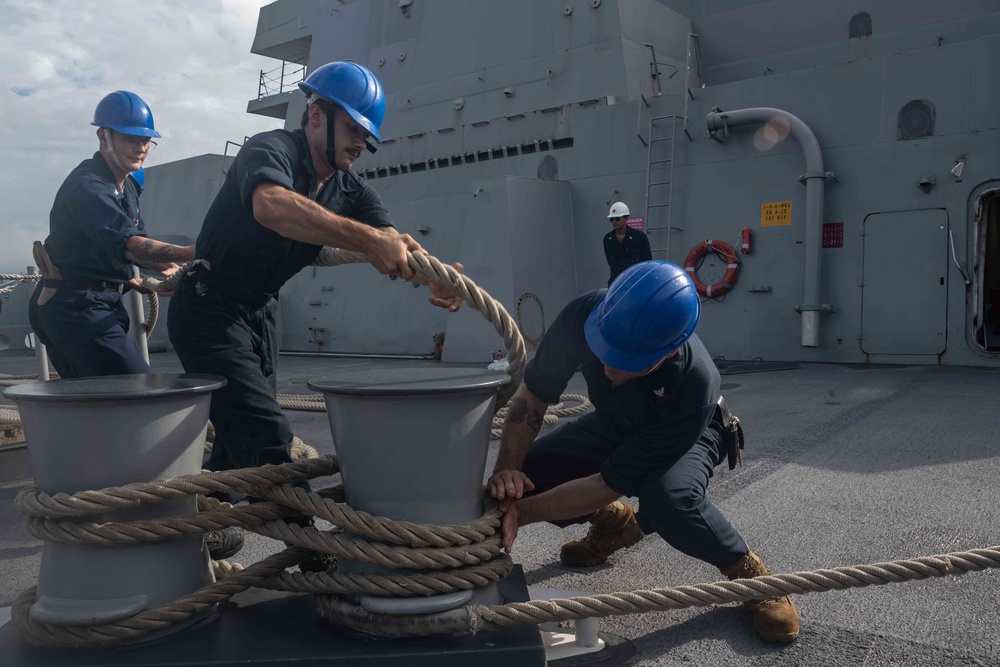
(111, 149)
(331, 148)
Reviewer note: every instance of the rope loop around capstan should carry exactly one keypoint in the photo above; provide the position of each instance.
(456, 557)
(451, 558)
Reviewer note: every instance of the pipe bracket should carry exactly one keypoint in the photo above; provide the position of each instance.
(817, 174)
(823, 308)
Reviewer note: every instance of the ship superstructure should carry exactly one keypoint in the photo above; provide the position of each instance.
(850, 148)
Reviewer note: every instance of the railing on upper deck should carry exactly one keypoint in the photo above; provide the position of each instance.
(280, 79)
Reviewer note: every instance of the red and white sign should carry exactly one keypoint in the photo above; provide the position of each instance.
(638, 222)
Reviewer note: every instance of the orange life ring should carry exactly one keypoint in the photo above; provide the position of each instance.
(732, 267)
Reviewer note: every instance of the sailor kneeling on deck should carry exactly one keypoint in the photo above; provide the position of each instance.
(657, 433)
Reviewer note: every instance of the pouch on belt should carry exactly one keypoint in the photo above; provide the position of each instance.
(733, 434)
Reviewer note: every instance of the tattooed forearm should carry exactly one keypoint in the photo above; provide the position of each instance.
(519, 413)
(148, 251)
(535, 421)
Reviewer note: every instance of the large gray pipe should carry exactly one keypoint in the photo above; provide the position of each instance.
(814, 179)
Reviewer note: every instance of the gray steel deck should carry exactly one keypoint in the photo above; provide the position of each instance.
(844, 465)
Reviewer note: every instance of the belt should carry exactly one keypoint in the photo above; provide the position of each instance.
(733, 435)
(227, 290)
(89, 285)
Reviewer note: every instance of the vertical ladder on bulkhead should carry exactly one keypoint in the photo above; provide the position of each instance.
(660, 153)
(659, 183)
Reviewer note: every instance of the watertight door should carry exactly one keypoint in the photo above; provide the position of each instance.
(905, 285)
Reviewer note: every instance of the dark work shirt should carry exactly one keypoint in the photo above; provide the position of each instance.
(247, 256)
(91, 220)
(632, 249)
(656, 418)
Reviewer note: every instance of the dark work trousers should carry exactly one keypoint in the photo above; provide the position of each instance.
(672, 500)
(213, 334)
(85, 333)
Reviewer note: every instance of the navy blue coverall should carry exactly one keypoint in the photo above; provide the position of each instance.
(223, 320)
(632, 249)
(84, 324)
(657, 437)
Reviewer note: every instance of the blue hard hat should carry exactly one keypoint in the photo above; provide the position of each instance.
(354, 88)
(125, 112)
(139, 176)
(647, 313)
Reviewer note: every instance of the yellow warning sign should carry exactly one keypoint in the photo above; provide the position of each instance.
(776, 214)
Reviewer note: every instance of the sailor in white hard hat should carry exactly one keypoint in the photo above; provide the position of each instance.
(623, 245)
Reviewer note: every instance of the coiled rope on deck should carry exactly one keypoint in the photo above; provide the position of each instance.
(469, 549)
(470, 552)
(458, 554)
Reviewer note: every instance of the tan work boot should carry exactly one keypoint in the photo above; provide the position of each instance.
(613, 527)
(774, 619)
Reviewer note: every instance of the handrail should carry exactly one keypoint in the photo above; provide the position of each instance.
(280, 79)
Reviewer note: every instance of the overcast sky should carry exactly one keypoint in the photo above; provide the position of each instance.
(189, 59)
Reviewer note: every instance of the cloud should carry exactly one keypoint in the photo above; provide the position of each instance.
(189, 59)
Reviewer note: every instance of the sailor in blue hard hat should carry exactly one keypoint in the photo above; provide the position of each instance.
(125, 125)
(96, 235)
(658, 431)
(287, 194)
(357, 102)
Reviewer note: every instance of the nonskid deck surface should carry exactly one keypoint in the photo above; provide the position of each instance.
(843, 466)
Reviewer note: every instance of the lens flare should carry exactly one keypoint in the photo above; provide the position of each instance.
(772, 133)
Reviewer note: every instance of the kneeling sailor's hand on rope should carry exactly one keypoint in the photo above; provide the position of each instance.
(509, 484)
(510, 523)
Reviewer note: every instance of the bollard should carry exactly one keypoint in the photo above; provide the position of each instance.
(98, 432)
(412, 444)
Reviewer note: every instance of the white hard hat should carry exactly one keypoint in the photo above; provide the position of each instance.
(618, 209)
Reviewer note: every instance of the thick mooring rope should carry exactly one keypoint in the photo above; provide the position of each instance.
(469, 550)
(459, 556)
(152, 314)
(21, 277)
(495, 617)
(425, 265)
(154, 620)
(433, 269)
(152, 300)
